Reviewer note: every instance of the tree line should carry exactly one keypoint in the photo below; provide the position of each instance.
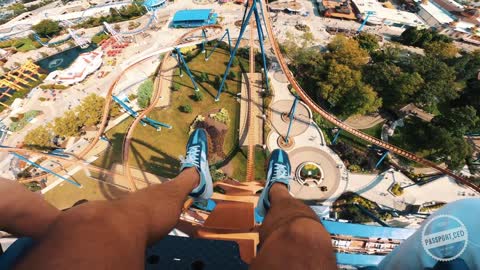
(72, 123)
(358, 76)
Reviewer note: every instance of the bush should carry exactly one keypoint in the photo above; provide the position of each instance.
(231, 75)
(204, 77)
(47, 28)
(397, 190)
(218, 81)
(354, 168)
(234, 61)
(222, 116)
(42, 99)
(186, 108)
(145, 94)
(198, 96)
(99, 38)
(175, 86)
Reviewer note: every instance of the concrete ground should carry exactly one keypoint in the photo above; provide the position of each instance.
(364, 121)
(322, 158)
(301, 120)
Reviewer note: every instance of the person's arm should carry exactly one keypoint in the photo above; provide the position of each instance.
(24, 213)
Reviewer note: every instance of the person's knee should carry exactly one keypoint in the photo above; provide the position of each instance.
(90, 213)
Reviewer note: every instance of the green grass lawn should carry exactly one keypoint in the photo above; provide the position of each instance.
(260, 163)
(28, 45)
(374, 131)
(239, 164)
(113, 154)
(157, 152)
(65, 195)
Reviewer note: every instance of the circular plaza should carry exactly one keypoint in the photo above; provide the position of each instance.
(315, 174)
(279, 114)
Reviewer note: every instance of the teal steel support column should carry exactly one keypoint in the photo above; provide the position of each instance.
(184, 63)
(237, 44)
(45, 169)
(336, 136)
(292, 117)
(381, 159)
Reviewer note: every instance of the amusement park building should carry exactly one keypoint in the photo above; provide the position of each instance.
(84, 65)
(385, 16)
(194, 18)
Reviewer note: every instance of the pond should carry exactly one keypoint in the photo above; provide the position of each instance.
(63, 59)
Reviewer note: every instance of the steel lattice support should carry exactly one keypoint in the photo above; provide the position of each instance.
(227, 34)
(291, 116)
(182, 62)
(245, 21)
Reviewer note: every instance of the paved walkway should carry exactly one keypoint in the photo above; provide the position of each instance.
(301, 120)
(251, 129)
(309, 144)
(166, 81)
(364, 121)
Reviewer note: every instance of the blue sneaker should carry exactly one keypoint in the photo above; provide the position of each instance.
(197, 156)
(279, 170)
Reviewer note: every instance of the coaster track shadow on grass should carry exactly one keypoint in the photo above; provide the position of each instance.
(158, 165)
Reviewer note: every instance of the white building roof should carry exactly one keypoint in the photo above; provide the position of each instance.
(464, 27)
(438, 13)
(444, 189)
(387, 15)
(57, 14)
(85, 64)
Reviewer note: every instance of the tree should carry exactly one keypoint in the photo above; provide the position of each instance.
(467, 65)
(420, 37)
(144, 94)
(441, 49)
(186, 108)
(345, 92)
(470, 95)
(99, 38)
(367, 41)
(68, 125)
(91, 110)
(17, 8)
(396, 87)
(435, 142)
(347, 51)
(439, 81)
(458, 121)
(115, 110)
(47, 28)
(39, 138)
(389, 53)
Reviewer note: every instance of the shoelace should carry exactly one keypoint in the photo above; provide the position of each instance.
(280, 172)
(192, 156)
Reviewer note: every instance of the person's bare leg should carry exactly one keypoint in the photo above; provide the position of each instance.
(291, 236)
(24, 213)
(114, 234)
